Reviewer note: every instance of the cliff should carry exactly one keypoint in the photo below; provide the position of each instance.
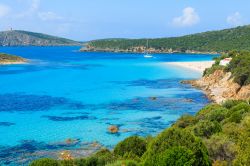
(25, 38)
(220, 86)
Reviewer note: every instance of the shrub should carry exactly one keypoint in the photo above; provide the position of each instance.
(231, 103)
(208, 111)
(131, 147)
(207, 128)
(220, 147)
(240, 68)
(237, 112)
(176, 137)
(185, 121)
(212, 69)
(244, 107)
(45, 162)
(176, 156)
(123, 163)
(101, 158)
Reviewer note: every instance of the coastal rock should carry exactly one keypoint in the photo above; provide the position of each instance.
(113, 129)
(66, 155)
(220, 87)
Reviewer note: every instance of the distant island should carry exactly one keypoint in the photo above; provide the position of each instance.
(11, 59)
(206, 42)
(25, 38)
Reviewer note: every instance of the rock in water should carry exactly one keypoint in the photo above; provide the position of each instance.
(113, 129)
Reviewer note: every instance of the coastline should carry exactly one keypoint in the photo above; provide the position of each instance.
(142, 50)
(13, 63)
(198, 66)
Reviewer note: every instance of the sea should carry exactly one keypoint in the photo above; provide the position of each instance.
(64, 99)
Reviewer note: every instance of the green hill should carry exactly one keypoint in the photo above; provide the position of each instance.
(212, 41)
(25, 38)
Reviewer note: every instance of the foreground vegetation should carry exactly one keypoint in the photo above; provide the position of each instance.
(239, 66)
(6, 58)
(217, 135)
(213, 41)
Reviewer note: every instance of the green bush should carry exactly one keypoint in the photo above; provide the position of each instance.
(243, 107)
(240, 68)
(123, 163)
(185, 121)
(212, 69)
(212, 112)
(131, 147)
(176, 156)
(207, 128)
(231, 103)
(45, 162)
(175, 137)
(220, 147)
(237, 112)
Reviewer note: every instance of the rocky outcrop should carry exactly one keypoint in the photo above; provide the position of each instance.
(220, 86)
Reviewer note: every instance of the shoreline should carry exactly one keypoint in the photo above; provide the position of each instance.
(198, 66)
(13, 63)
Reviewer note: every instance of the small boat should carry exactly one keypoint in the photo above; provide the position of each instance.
(147, 55)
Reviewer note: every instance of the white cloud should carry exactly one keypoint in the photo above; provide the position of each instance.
(188, 18)
(49, 16)
(4, 10)
(235, 19)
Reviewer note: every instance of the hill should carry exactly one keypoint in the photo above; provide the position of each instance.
(213, 41)
(25, 38)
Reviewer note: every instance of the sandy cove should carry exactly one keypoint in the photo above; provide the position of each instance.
(198, 66)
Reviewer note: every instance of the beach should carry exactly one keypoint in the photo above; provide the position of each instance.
(198, 66)
(13, 63)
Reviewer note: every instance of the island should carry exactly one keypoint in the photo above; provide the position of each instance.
(6, 59)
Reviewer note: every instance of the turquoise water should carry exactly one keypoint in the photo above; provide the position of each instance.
(63, 93)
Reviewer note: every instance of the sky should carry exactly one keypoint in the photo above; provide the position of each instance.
(85, 20)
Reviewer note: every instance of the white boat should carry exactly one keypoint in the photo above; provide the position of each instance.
(147, 55)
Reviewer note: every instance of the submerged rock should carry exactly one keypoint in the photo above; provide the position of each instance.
(113, 129)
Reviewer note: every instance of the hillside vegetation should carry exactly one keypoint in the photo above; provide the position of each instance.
(212, 41)
(239, 66)
(217, 135)
(25, 38)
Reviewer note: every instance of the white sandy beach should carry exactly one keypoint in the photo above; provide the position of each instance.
(198, 66)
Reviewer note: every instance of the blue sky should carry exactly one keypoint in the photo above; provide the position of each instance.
(94, 19)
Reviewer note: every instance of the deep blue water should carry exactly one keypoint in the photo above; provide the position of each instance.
(63, 93)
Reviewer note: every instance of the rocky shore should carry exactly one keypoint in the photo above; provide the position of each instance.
(220, 87)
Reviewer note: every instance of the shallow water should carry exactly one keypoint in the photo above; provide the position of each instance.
(63, 93)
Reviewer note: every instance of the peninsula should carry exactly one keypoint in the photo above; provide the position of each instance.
(207, 42)
(25, 38)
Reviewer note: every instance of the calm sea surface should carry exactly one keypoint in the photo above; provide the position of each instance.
(64, 94)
